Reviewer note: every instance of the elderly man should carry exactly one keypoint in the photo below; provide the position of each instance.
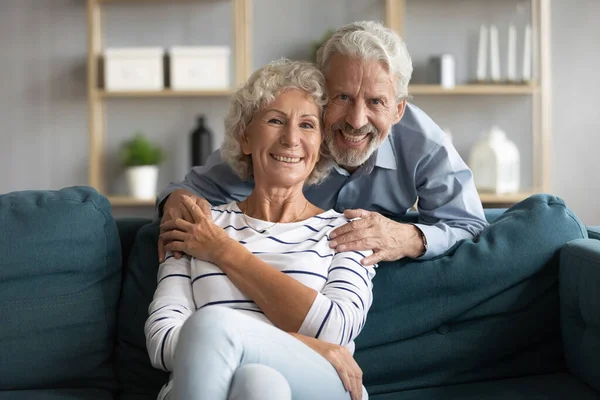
(388, 155)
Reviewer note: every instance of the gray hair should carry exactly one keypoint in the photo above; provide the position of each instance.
(261, 89)
(371, 40)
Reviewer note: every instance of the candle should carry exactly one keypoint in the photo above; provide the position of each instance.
(495, 55)
(512, 54)
(482, 54)
(527, 55)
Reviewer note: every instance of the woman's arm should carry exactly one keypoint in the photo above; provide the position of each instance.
(283, 299)
(336, 315)
(173, 304)
(339, 311)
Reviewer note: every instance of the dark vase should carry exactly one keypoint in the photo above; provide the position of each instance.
(201, 143)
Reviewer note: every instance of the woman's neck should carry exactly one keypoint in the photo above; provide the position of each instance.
(288, 205)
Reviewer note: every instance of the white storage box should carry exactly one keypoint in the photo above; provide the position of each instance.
(135, 68)
(197, 68)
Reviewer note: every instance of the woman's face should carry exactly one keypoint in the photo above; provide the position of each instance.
(283, 139)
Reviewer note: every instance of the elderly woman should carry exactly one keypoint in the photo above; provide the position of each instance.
(261, 307)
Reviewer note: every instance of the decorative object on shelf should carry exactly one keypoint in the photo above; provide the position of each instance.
(442, 71)
(494, 55)
(527, 55)
(511, 62)
(495, 163)
(201, 138)
(141, 159)
(482, 54)
(135, 68)
(203, 67)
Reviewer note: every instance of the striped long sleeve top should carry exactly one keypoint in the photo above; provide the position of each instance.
(300, 250)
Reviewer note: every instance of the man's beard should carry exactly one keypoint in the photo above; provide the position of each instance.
(350, 157)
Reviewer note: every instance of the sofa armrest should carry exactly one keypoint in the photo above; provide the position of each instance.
(579, 281)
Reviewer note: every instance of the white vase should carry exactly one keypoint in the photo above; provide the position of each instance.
(142, 181)
(495, 163)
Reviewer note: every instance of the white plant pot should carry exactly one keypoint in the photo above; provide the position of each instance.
(142, 181)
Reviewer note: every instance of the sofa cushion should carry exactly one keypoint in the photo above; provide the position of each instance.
(540, 387)
(59, 288)
(486, 309)
(137, 376)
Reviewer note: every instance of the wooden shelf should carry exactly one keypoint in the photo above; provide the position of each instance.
(489, 198)
(166, 93)
(124, 201)
(138, 1)
(473, 89)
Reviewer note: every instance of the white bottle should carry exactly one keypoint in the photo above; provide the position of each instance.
(495, 163)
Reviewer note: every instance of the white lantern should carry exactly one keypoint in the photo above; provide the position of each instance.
(495, 163)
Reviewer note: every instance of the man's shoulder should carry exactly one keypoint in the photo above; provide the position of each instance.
(417, 133)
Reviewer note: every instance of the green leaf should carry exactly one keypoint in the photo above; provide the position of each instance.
(140, 151)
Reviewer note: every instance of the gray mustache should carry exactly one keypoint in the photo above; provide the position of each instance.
(349, 130)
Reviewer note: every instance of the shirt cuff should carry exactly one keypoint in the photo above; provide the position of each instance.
(436, 240)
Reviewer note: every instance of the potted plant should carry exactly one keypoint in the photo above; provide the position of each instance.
(141, 159)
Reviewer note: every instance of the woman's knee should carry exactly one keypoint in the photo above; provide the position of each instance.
(211, 326)
(259, 382)
(211, 319)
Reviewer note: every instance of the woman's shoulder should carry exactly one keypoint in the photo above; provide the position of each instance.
(330, 217)
(225, 212)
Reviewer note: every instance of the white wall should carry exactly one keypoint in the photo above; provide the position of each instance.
(576, 106)
(43, 112)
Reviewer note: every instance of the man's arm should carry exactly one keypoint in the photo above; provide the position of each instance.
(449, 206)
(216, 182)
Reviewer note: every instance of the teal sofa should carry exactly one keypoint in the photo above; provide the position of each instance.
(512, 314)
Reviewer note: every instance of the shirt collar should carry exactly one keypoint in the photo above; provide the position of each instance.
(386, 156)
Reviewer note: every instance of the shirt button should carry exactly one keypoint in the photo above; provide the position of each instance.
(442, 330)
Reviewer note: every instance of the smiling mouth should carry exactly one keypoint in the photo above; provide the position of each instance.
(288, 160)
(354, 138)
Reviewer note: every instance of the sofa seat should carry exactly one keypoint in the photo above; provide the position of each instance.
(557, 386)
(56, 394)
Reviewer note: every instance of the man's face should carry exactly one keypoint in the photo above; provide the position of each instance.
(361, 110)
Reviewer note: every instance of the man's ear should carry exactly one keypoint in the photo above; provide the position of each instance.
(399, 111)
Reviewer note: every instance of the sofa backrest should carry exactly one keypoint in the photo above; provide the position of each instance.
(487, 309)
(60, 278)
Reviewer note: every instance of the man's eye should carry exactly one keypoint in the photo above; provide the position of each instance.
(307, 125)
(343, 97)
(376, 102)
(275, 121)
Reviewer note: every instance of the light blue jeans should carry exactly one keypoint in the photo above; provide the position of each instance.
(223, 354)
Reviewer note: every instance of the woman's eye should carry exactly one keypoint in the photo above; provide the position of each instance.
(275, 121)
(307, 125)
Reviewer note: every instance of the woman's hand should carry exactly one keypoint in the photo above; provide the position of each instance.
(174, 208)
(341, 359)
(201, 239)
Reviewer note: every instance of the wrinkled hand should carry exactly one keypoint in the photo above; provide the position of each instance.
(200, 238)
(389, 240)
(175, 208)
(350, 373)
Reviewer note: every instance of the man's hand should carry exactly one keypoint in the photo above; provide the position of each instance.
(341, 359)
(389, 240)
(175, 208)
